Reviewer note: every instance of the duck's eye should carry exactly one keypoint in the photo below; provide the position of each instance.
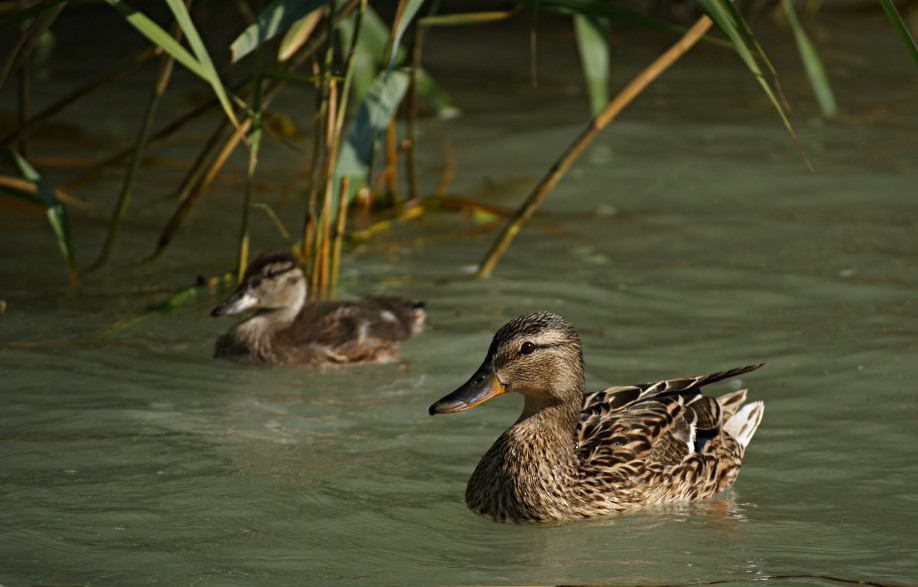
(527, 348)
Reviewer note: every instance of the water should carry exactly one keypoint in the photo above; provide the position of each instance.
(690, 239)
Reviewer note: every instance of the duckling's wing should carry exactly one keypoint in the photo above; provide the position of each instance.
(344, 331)
(368, 322)
(659, 422)
(394, 319)
(317, 323)
(340, 326)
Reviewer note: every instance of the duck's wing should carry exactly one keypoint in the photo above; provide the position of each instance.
(659, 422)
(619, 396)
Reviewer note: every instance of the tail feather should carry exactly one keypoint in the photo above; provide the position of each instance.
(744, 422)
(730, 402)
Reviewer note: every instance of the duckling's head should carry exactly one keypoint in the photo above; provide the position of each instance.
(272, 281)
(538, 355)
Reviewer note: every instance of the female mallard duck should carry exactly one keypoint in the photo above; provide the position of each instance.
(288, 330)
(572, 455)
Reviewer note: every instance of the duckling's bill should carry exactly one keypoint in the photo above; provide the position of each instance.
(483, 385)
(240, 300)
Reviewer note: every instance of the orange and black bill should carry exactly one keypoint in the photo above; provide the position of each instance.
(483, 385)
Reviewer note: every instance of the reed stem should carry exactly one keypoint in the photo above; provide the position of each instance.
(160, 83)
(254, 143)
(175, 221)
(114, 72)
(599, 122)
(338, 236)
(411, 106)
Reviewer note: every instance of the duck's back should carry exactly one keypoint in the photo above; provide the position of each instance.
(663, 441)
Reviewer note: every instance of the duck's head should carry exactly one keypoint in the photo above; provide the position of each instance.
(272, 281)
(538, 355)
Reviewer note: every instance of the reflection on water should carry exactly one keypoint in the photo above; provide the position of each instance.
(689, 241)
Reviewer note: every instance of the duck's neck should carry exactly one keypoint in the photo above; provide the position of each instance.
(279, 317)
(282, 307)
(550, 428)
(528, 473)
(257, 332)
(557, 414)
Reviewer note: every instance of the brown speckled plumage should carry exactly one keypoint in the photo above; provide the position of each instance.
(288, 330)
(572, 455)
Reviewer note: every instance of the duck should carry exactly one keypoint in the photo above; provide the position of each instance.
(289, 330)
(573, 455)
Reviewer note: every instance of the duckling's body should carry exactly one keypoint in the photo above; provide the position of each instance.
(288, 330)
(572, 455)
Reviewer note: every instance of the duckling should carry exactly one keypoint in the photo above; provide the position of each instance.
(571, 455)
(288, 330)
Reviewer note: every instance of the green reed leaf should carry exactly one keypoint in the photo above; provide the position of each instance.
(54, 210)
(731, 23)
(594, 58)
(376, 109)
(199, 64)
(812, 63)
(180, 11)
(901, 28)
(276, 18)
(399, 28)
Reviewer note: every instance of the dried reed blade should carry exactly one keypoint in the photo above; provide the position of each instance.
(599, 122)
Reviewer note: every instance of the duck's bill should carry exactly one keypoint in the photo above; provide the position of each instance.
(483, 385)
(239, 301)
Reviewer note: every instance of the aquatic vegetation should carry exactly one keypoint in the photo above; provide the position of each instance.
(366, 73)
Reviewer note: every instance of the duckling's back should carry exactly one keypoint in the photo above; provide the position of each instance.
(367, 330)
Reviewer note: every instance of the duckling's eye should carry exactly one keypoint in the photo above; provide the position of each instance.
(270, 273)
(527, 348)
